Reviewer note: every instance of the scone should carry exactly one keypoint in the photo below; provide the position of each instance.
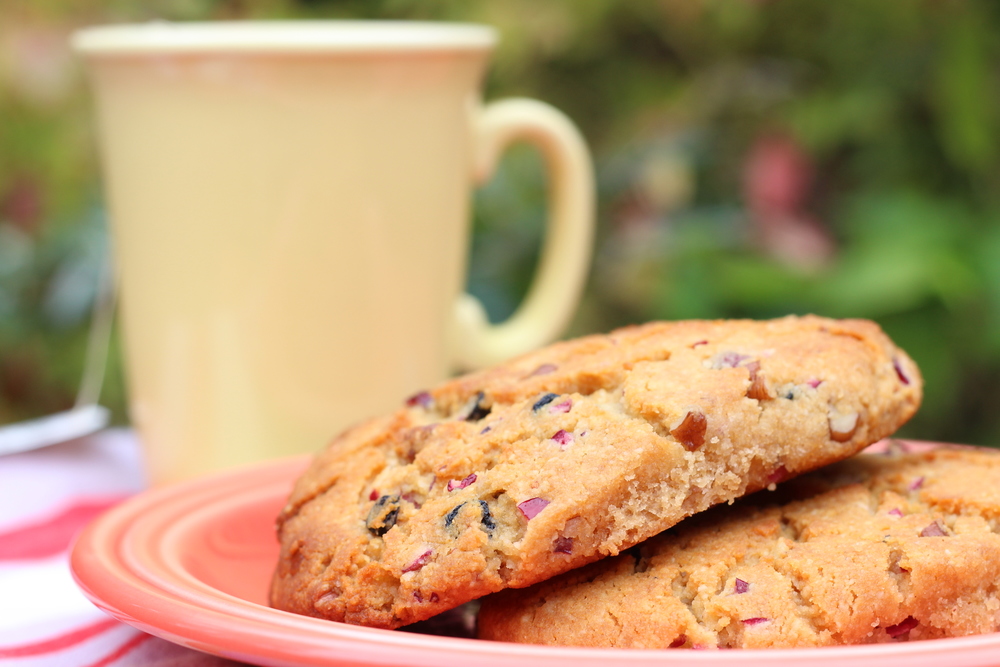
(510, 476)
(885, 549)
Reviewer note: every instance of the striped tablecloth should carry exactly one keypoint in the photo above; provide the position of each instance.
(46, 497)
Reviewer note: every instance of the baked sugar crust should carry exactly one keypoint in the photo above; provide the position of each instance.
(573, 453)
(870, 550)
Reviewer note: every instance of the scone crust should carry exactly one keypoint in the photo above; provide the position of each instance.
(509, 476)
(881, 549)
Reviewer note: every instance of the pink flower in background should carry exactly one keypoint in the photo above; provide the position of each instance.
(778, 175)
(777, 179)
(36, 63)
(21, 204)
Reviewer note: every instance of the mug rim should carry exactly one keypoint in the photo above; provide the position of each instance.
(291, 36)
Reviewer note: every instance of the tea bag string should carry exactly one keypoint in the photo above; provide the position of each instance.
(99, 337)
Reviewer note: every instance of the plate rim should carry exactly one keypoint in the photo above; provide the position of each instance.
(106, 573)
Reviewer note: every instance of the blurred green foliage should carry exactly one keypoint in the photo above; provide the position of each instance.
(755, 158)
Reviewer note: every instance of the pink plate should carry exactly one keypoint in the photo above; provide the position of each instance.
(191, 563)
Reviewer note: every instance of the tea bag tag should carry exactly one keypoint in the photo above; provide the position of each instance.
(53, 429)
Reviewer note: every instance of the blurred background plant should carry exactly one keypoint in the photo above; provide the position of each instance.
(755, 158)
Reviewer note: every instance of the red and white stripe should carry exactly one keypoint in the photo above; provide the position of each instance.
(46, 498)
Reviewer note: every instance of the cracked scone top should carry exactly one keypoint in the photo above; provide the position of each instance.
(876, 549)
(509, 476)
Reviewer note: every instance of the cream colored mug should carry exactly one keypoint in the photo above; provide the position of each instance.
(289, 205)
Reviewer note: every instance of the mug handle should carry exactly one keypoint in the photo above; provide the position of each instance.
(566, 250)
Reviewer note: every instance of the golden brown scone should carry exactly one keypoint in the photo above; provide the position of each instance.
(890, 549)
(510, 476)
